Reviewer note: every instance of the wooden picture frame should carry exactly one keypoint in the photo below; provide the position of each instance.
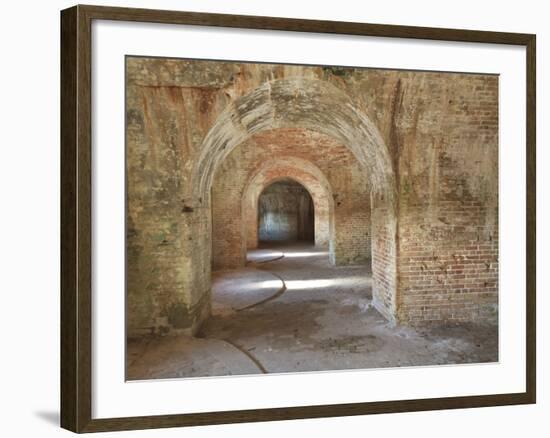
(76, 218)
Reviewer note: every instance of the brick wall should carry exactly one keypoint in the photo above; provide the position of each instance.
(352, 220)
(384, 262)
(448, 271)
(228, 247)
(168, 248)
(448, 205)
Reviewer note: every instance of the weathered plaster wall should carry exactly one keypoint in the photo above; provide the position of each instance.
(426, 141)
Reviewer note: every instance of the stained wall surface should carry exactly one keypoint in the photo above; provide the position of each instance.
(425, 146)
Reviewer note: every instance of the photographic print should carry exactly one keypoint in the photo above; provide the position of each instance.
(298, 218)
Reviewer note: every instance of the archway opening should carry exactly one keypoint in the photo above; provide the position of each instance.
(286, 213)
(260, 177)
(317, 106)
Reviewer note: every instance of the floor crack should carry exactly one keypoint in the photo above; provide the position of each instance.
(248, 354)
(276, 294)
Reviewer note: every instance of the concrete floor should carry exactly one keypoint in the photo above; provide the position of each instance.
(290, 311)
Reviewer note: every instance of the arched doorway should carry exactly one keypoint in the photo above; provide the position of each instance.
(304, 173)
(318, 106)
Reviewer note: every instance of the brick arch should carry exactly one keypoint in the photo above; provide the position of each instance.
(295, 102)
(304, 173)
(318, 106)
